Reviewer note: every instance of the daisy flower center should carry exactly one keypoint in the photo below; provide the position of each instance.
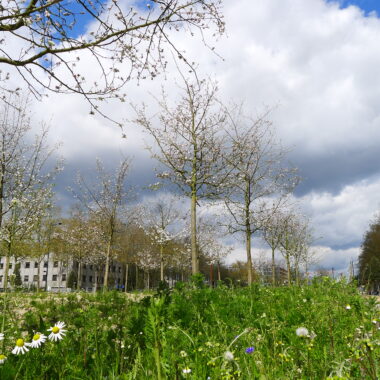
(36, 337)
(55, 330)
(20, 342)
(2, 357)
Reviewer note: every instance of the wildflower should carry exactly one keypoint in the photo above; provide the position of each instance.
(186, 370)
(374, 321)
(1, 336)
(302, 331)
(57, 332)
(348, 307)
(37, 340)
(183, 354)
(250, 350)
(228, 355)
(20, 347)
(3, 358)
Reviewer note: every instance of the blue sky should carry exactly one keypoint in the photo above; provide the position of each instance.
(367, 5)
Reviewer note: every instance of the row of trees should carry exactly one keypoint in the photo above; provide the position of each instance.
(217, 158)
(217, 154)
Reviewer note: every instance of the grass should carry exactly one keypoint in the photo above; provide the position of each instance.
(199, 334)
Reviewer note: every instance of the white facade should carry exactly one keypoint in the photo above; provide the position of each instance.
(54, 274)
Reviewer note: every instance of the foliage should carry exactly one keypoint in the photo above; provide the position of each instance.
(369, 259)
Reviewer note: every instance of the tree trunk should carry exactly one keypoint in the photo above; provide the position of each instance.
(126, 278)
(219, 276)
(6, 272)
(148, 279)
(194, 246)
(273, 269)
(288, 268)
(211, 275)
(161, 262)
(137, 277)
(106, 272)
(95, 283)
(38, 276)
(79, 276)
(249, 258)
(248, 232)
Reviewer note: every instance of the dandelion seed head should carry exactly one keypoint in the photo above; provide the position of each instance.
(302, 332)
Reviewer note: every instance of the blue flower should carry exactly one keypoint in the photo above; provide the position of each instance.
(250, 350)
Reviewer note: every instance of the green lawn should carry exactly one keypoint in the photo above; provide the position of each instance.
(245, 333)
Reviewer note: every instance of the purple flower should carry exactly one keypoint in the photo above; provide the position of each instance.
(250, 350)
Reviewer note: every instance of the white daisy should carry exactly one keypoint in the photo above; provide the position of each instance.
(37, 340)
(302, 331)
(57, 331)
(1, 336)
(3, 358)
(20, 347)
(186, 370)
(348, 307)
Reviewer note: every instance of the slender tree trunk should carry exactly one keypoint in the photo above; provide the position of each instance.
(249, 257)
(108, 255)
(273, 268)
(79, 276)
(211, 275)
(148, 279)
(38, 276)
(248, 232)
(95, 282)
(161, 262)
(194, 245)
(126, 278)
(6, 269)
(288, 268)
(219, 276)
(137, 277)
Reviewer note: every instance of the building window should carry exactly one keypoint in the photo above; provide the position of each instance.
(55, 264)
(90, 279)
(1, 266)
(1, 278)
(35, 277)
(54, 277)
(113, 269)
(91, 266)
(119, 269)
(10, 265)
(64, 277)
(26, 278)
(27, 264)
(36, 264)
(45, 264)
(84, 278)
(44, 277)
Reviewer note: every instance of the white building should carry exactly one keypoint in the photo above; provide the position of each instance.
(54, 274)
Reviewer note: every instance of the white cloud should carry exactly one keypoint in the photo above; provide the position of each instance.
(321, 64)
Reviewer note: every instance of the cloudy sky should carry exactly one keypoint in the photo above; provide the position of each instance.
(317, 62)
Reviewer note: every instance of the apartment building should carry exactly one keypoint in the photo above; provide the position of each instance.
(53, 275)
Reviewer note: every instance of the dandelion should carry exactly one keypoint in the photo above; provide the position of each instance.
(57, 331)
(250, 350)
(348, 307)
(1, 336)
(186, 370)
(3, 358)
(20, 347)
(228, 355)
(302, 331)
(37, 340)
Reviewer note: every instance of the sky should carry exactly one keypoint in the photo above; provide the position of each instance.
(316, 63)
